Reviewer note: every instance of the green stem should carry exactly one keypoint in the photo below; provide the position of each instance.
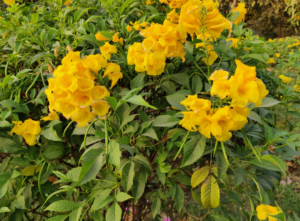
(26, 93)
(216, 147)
(87, 131)
(67, 128)
(182, 145)
(224, 152)
(250, 144)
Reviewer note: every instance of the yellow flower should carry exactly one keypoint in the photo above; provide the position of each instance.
(173, 16)
(83, 99)
(219, 75)
(164, 2)
(100, 37)
(280, 39)
(121, 41)
(5, 35)
(72, 56)
(66, 106)
(9, 2)
(289, 46)
(30, 138)
(291, 53)
(129, 28)
(235, 42)
(85, 84)
(99, 93)
(68, 2)
(242, 12)
(19, 128)
(52, 116)
(284, 78)
(263, 212)
(271, 61)
(82, 116)
(107, 50)
(33, 126)
(148, 2)
(116, 37)
(113, 71)
(277, 55)
(100, 108)
(246, 49)
(190, 120)
(212, 55)
(94, 62)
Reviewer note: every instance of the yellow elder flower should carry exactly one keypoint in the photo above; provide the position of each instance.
(100, 37)
(263, 212)
(72, 56)
(280, 39)
(219, 75)
(246, 49)
(289, 46)
(83, 99)
(121, 41)
(100, 108)
(277, 55)
(173, 16)
(271, 61)
(108, 49)
(5, 35)
(164, 2)
(94, 62)
(9, 2)
(148, 2)
(66, 106)
(30, 138)
(52, 116)
(116, 37)
(155, 64)
(113, 71)
(177, 3)
(212, 55)
(242, 12)
(234, 41)
(285, 79)
(85, 84)
(99, 93)
(82, 116)
(33, 126)
(19, 128)
(291, 53)
(68, 2)
(191, 119)
(129, 28)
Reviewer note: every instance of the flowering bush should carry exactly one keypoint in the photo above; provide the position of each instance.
(141, 110)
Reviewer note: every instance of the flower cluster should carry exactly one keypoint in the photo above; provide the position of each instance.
(164, 41)
(243, 88)
(266, 211)
(218, 122)
(29, 129)
(73, 92)
(161, 42)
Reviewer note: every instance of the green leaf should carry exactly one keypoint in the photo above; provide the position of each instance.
(266, 164)
(193, 150)
(139, 184)
(222, 164)
(155, 207)
(9, 104)
(294, 113)
(50, 131)
(34, 18)
(254, 116)
(138, 81)
(4, 210)
(165, 121)
(62, 206)
(127, 176)
(114, 153)
(275, 160)
(29, 171)
(91, 165)
(175, 99)
(4, 181)
(106, 34)
(179, 199)
(112, 102)
(139, 100)
(197, 84)
(79, 13)
(53, 152)
(102, 199)
(196, 197)
(254, 56)
(199, 176)
(114, 213)
(75, 214)
(210, 193)
(269, 102)
(9, 146)
(41, 55)
(142, 160)
(181, 78)
(150, 133)
(219, 218)
(58, 218)
(91, 39)
(121, 197)
(124, 5)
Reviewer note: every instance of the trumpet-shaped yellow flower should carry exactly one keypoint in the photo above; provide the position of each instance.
(219, 75)
(85, 84)
(9, 2)
(129, 28)
(191, 119)
(100, 108)
(72, 56)
(173, 16)
(99, 93)
(19, 128)
(277, 55)
(121, 41)
(101, 37)
(82, 116)
(264, 212)
(52, 116)
(285, 79)
(83, 99)
(66, 106)
(68, 2)
(235, 42)
(30, 138)
(271, 61)
(107, 50)
(116, 37)
(242, 12)
(94, 62)
(113, 71)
